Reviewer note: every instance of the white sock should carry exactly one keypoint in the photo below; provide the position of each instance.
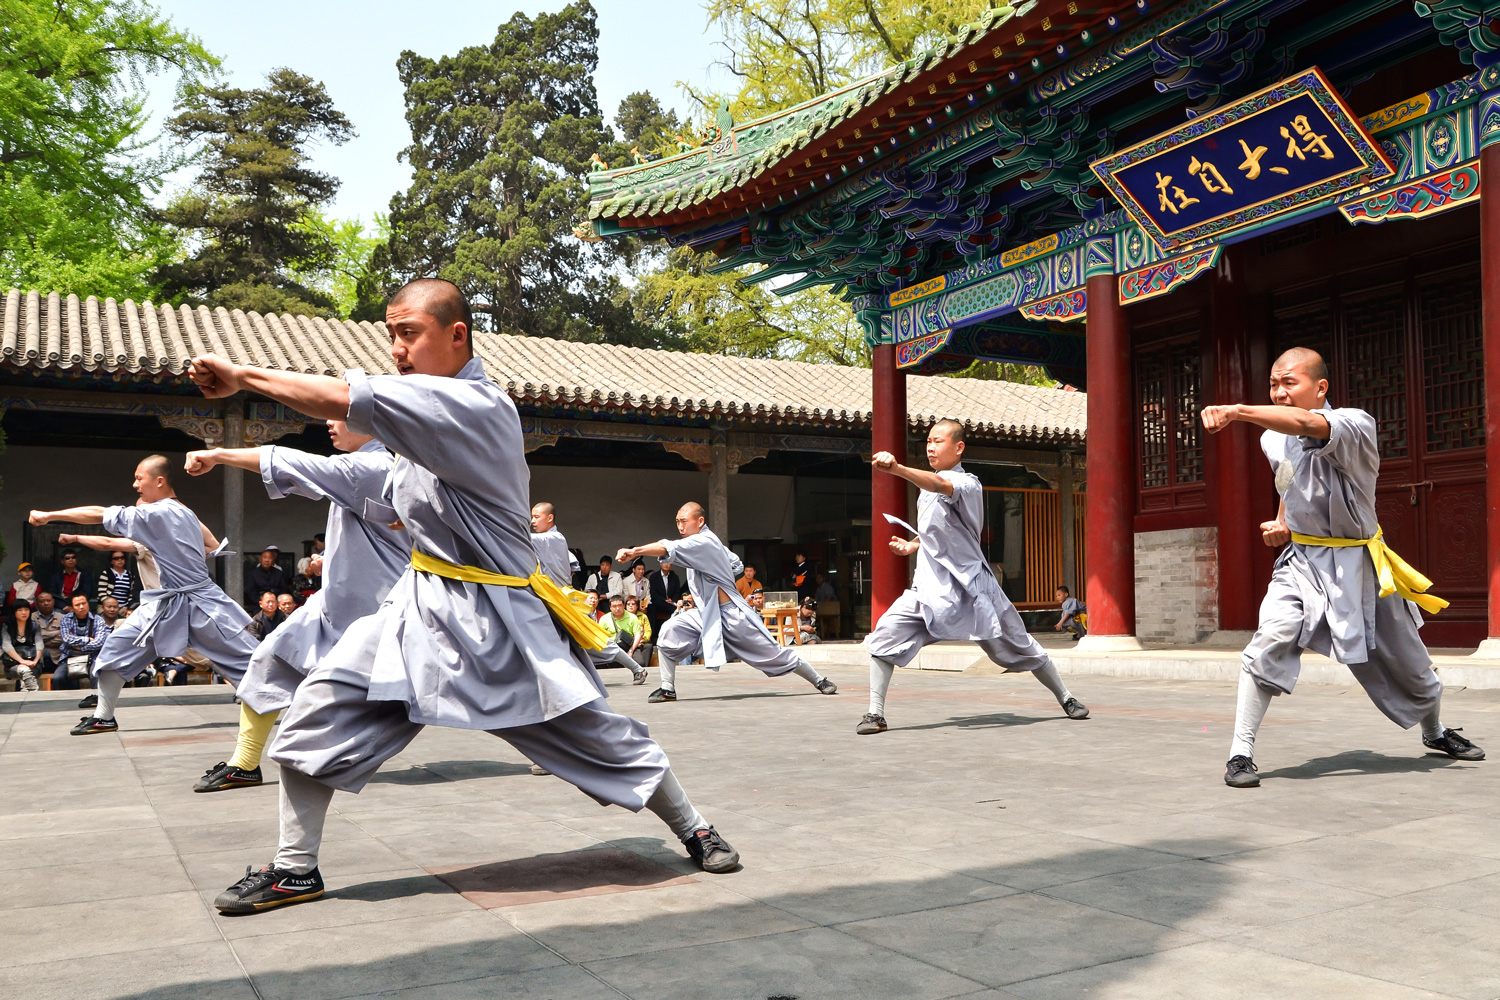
(881, 672)
(806, 672)
(1432, 728)
(108, 685)
(668, 668)
(671, 803)
(304, 809)
(1053, 682)
(1249, 710)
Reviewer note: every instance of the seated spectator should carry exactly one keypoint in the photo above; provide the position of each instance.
(21, 647)
(25, 588)
(310, 569)
(807, 620)
(265, 575)
(642, 655)
(49, 623)
(825, 591)
(117, 581)
(636, 585)
(592, 600)
(110, 613)
(268, 617)
(748, 584)
(172, 671)
(625, 628)
(67, 581)
(82, 636)
(684, 603)
(286, 604)
(606, 583)
(757, 600)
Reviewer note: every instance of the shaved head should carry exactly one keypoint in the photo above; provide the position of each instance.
(439, 299)
(157, 465)
(693, 509)
(1305, 358)
(953, 428)
(544, 508)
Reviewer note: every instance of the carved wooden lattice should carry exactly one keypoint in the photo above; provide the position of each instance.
(1187, 436)
(1307, 324)
(1151, 378)
(1375, 365)
(1453, 360)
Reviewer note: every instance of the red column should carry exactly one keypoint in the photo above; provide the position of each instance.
(1235, 448)
(887, 493)
(1489, 277)
(1111, 469)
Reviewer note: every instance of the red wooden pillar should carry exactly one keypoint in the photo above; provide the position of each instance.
(1489, 276)
(887, 493)
(1236, 450)
(1111, 470)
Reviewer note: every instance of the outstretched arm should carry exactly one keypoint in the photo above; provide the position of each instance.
(93, 514)
(199, 462)
(904, 547)
(655, 549)
(100, 543)
(929, 481)
(320, 396)
(1285, 419)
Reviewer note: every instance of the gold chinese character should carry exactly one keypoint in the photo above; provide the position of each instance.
(1209, 175)
(1251, 166)
(1183, 199)
(1312, 140)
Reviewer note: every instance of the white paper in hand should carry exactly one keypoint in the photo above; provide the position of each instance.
(902, 524)
(223, 551)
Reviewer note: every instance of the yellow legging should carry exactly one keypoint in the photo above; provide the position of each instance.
(255, 729)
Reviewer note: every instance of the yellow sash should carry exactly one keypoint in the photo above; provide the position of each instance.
(560, 603)
(1396, 574)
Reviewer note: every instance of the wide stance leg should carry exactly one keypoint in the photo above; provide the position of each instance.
(304, 810)
(1250, 709)
(110, 685)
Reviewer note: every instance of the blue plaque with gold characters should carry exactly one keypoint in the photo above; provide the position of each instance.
(1276, 151)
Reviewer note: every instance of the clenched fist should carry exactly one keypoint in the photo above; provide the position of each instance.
(216, 377)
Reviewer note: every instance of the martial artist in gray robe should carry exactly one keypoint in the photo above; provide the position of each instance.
(1326, 599)
(448, 652)
(559, 563)
(361, 560)
(721, 622)
(187, 609)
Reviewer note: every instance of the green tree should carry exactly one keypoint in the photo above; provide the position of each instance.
(246, 213)
(75, 174)
(343, 278)
(502, 135)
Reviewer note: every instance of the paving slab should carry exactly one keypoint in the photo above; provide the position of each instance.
(984, 847)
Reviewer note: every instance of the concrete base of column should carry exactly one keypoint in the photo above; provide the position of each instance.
(1109, 643)
(1489, 649)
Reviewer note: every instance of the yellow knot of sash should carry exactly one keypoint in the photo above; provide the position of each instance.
(1396, 575)
(565, 605)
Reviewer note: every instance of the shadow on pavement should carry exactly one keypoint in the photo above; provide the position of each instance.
(994, 720)
(859, 948)
(449, 770)
(1356, 762)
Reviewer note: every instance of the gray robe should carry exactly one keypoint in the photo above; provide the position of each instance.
(1325, 599)
(360, 562)
(559, 563)
(186, 609)
(954, 593)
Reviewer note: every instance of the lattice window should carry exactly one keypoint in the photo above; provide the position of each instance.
(1375, 363)
(1307, 324)
(1151, 378)
(1187, 437)
(1453, 360)
(1292, 236)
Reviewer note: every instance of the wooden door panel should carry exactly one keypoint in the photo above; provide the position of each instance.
(1455, 528)
(1398, 518)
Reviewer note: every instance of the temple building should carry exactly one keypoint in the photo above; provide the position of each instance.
(1153, 200)
(616, 437)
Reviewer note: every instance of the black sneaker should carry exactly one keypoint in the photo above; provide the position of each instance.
(89, 701)
(88, 725)
(223, 776)
(1454, 746)
(661, 694)
(711, 851)
(870, 725)
(638, 678)
(826, 686)
(267, 889)
(1240, 773)
(1075, 709)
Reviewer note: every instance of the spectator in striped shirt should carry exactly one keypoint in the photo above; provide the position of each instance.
(118, 582)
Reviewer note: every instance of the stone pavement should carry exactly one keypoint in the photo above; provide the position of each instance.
(986, 847)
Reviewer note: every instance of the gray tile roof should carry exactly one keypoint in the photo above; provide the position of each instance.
(61, 335)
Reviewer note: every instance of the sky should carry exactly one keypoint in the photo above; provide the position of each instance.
(351, 47)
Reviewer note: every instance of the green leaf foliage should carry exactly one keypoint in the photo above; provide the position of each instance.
(245, 216)
(75, 173)
(502, 135)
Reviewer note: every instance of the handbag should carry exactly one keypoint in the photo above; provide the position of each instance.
(78, 666)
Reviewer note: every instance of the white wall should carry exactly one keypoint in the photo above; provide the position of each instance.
(600, 510)
(50, 478)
